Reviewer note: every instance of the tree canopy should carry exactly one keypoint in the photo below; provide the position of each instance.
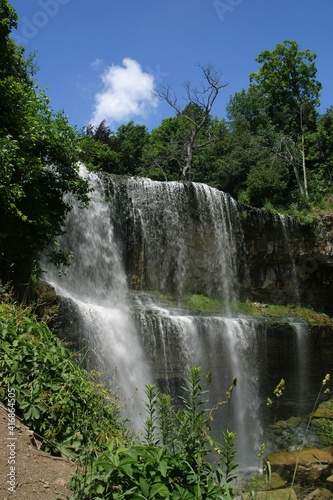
(196, 113)
(287, 80)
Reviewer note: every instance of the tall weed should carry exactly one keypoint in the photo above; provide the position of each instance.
(172, 463)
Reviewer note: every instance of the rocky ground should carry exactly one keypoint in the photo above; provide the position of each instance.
(27, 473)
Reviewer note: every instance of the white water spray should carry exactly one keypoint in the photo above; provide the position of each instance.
(96, 285)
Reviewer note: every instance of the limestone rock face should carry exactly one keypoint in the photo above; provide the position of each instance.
(289, 262)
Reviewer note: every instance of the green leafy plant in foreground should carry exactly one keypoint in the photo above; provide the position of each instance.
(66, 406)
(172, 461)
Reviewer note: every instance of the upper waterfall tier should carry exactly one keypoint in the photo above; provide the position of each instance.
(182, 237)
(178, 237)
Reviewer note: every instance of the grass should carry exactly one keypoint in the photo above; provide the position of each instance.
(276, 311)
(202, 304)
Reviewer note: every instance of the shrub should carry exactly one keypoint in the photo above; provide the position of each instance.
(58, 400)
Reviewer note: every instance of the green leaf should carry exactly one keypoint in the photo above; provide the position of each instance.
(163, 468)
(35, 412)
(159, 489)
(127, 469)
(144, 487)
(100, 489)
(27, 414)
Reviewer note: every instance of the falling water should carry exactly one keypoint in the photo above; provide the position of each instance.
(95, 284)
(226, 348)
(287, 224)
(302, 360)
(188, 236)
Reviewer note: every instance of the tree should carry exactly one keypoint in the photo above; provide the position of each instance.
(38, 155)
(267, 182)
(199, 105)
(250, 104)
(323, 143)
(99, 148)
(116, 153)
(287, 78)
(164, 154)
(131, 142)
(243, 157)
(11, 61)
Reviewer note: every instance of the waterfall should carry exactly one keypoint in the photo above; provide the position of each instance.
(223, 346)
(287, 225)
(302, 361)
(95, 285)
(169, 239)
(187, 233)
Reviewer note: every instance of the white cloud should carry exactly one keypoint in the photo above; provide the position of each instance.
(127, 93)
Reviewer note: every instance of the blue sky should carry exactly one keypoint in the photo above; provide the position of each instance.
(102, 59)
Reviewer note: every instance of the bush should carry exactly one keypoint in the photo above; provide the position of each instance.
(58, 400)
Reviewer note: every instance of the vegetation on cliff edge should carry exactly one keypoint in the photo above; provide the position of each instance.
(67, 407)
(202, 304)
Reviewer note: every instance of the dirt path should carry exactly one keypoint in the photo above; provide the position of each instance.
(27, 473)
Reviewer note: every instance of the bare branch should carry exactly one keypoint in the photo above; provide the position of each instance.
(168, 96)
(201, 98)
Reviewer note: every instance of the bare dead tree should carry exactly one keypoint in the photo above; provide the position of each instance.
(287, 149)
(203, 99)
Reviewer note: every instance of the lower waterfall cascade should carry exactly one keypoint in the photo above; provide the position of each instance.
(184, 238)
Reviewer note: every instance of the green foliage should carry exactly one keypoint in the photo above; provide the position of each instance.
(287, 78)
(11, 62)
(267, 181)
(152, 418)
(68, 407)
(116, 153)
(38, 155)
(202, 303)
(227, 471)
(163, 154)
(251, 105)
(172, 464)
(132, 140)
(97, 155)
(284, 155)
(258, 309)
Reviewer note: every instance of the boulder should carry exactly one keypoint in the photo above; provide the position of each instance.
(285, 494)
(307, 466)
(319, 494)
(329, 483)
